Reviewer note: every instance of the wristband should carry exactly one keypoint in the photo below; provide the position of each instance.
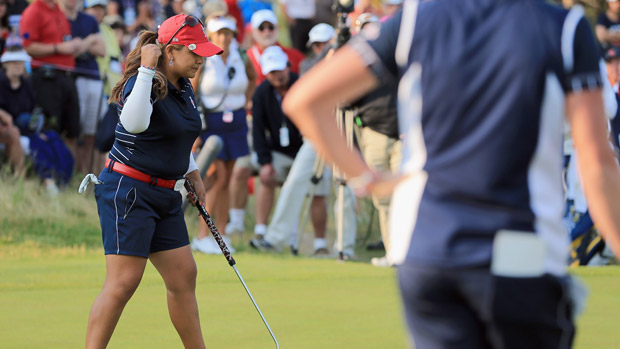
(147, 67)
(146, 72)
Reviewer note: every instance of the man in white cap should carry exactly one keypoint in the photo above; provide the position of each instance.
(274, 153)
(265, 34)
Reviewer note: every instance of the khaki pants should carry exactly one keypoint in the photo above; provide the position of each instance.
(383, 154)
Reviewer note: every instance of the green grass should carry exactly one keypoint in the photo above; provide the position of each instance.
(309, 303)
(52, 267)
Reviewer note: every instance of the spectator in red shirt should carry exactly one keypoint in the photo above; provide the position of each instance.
(47, 39)
(265, 34)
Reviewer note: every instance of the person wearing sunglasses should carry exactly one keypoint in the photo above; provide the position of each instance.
(265, 33)
(137, 194)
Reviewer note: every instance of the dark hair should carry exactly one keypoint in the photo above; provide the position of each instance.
(132, 63)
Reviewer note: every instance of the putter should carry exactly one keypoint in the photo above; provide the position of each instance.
(231, 261)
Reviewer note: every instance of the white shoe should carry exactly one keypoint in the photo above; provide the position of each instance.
(206, 245)
(228, 244)
(380, 262)
(232, 228)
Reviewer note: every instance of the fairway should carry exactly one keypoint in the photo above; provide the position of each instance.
(45, 297)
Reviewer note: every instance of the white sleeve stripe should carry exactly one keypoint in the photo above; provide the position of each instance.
(568, 36)
(405, 34)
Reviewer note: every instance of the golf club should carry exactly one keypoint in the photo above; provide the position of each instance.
(231, 261)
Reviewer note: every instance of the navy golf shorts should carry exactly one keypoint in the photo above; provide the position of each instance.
(471, 308)
(138, 218)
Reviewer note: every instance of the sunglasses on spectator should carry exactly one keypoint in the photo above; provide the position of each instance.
(190, 21)
(264, 26)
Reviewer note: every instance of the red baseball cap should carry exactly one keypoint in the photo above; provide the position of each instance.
(193, 37)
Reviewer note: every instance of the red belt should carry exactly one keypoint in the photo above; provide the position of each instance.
(143, 177)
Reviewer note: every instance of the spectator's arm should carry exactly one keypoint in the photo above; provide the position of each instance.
(37, 49)
(259, 139)
(96, 45)
(597, 164)
(249, 91)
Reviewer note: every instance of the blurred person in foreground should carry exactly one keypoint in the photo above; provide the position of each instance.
(225, 84)
(138, 199)
(476, 214)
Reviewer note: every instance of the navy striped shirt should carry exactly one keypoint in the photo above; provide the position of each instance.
(481, 102)
(163, 149)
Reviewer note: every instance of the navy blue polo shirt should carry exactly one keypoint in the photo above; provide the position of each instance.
(163, 149)
(84, 25)
(481, 103)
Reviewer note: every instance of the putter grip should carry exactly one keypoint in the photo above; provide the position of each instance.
(205, 215)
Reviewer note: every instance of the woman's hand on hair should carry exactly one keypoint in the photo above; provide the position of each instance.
(150, 54)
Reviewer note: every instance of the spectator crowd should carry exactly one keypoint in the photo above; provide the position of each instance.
(61, 58)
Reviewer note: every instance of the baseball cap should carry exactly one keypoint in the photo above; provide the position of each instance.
(92, 3)
(612, 52)
(261, 16)
(273, 59)
(321, 32)
(15, 56)
(219, 23)
(193, 37)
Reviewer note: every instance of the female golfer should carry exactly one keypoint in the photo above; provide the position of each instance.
(139, 202)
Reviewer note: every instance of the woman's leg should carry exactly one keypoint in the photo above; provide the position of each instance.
(123, 275)
(178, 269)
